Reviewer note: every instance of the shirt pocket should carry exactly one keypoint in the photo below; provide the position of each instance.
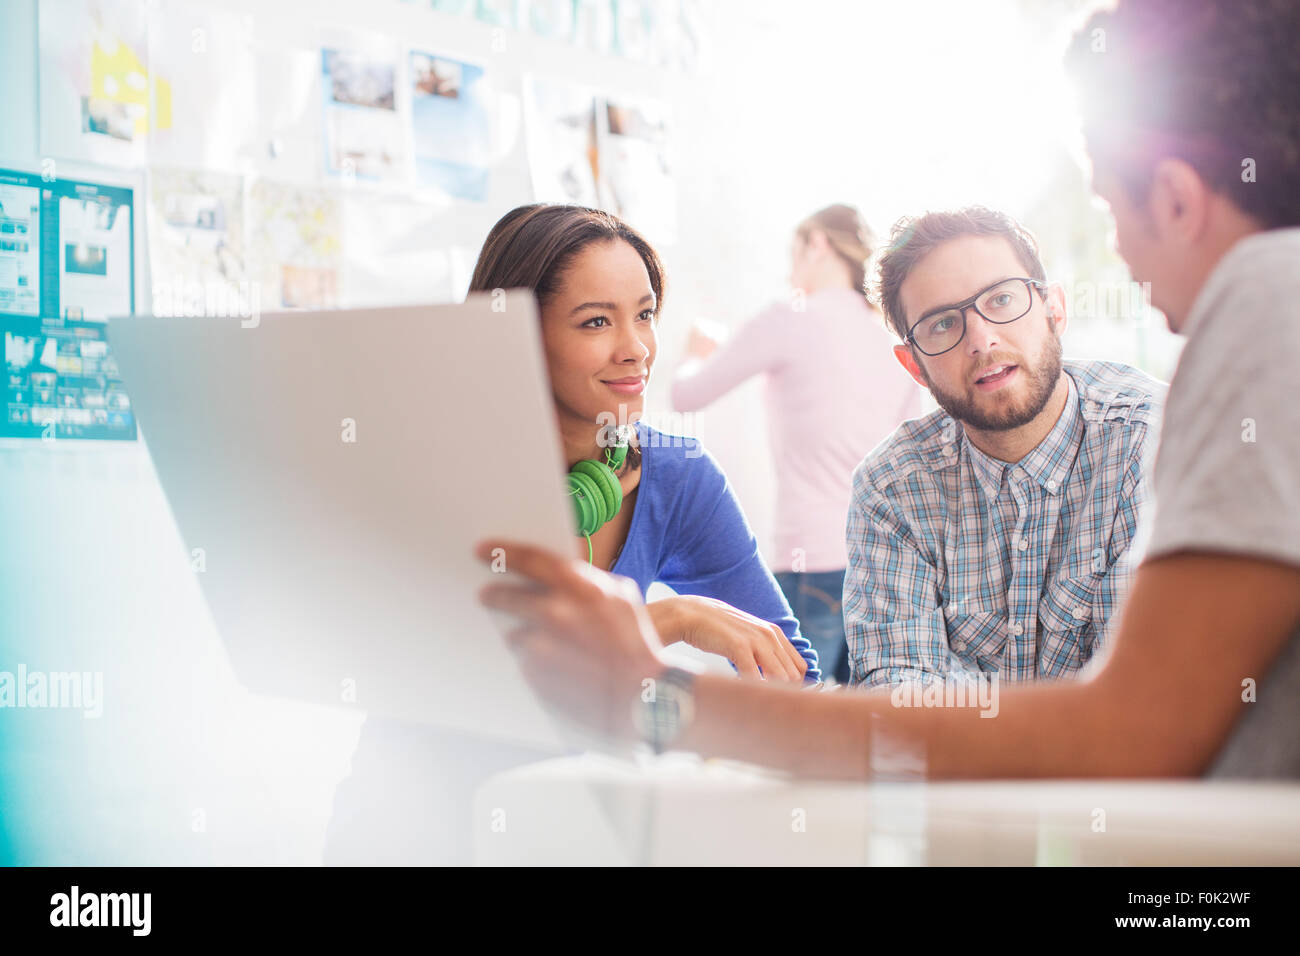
(1065, 625)
(978, 636)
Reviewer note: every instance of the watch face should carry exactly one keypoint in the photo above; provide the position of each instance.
(662, 719)
(667, 716)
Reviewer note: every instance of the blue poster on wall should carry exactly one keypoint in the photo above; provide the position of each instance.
(67, 264)
(450, 127)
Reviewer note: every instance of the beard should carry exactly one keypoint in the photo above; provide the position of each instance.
(1040, 382)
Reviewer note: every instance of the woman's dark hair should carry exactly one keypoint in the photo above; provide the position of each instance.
(531, 247)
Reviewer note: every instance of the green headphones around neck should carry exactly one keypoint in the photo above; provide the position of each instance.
(595, 489)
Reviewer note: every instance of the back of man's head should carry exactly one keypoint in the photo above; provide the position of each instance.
(1215, 83)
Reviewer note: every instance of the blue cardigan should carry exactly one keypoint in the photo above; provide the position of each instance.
(689, 533)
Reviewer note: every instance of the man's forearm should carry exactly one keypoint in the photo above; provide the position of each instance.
(1051, 730)
(807, 733)
(1161, 704)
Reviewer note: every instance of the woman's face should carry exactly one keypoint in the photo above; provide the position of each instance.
(600, 336)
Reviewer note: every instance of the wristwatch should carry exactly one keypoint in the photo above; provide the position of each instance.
(665, 708)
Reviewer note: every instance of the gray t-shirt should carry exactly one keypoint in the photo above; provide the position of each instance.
(1227, 475)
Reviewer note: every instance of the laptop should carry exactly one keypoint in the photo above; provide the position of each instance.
(330, 472)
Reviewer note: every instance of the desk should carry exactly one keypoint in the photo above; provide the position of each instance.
(679, 810)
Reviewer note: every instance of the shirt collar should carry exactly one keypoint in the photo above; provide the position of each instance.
(988, 470)
(1223, 273)
(1048, 463)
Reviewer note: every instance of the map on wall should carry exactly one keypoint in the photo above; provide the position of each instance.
(295, 242)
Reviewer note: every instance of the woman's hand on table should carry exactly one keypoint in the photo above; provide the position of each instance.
(758, 648)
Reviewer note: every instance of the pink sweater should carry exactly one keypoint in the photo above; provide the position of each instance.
(834, 391)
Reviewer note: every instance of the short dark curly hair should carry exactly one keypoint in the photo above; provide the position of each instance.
(913, 237)
(1212, 82)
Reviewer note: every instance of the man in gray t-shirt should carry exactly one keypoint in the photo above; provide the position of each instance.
(1228, 471)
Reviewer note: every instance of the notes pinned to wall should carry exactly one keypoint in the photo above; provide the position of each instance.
(611, 152)
(205, 60)
(94, 82)
(560, 119)
(196, 243)
(636, 173)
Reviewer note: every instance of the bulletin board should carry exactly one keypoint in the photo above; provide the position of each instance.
(306, 155)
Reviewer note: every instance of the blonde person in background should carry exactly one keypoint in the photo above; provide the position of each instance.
(833, 393)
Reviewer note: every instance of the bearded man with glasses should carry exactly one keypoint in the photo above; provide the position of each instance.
(992, 536)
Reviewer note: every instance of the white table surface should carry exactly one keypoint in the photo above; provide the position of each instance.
(680, 810)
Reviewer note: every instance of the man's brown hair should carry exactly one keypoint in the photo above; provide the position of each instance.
(913, 237)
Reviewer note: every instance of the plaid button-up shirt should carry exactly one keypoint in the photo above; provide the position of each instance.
(960, 563)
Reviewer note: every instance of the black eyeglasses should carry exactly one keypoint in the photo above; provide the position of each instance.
(941, 330)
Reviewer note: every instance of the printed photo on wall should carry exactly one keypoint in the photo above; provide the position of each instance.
(196, 242)
(636, 177)
(450, 125)
(363, 131)
(560, 119)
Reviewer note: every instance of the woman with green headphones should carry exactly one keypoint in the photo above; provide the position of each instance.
(647, 505)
